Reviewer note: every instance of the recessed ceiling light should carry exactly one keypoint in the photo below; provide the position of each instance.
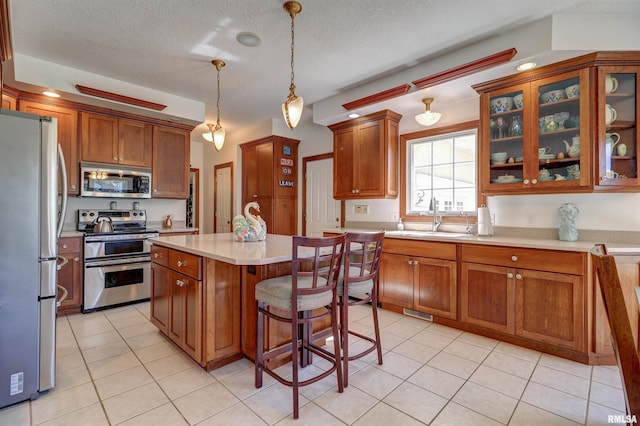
(354, 115)
(526, 66)
(51, 94)
(248, 39)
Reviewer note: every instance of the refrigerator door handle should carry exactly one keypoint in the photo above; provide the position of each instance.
(62, 167)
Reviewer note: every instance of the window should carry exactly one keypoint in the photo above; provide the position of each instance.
(440, 164)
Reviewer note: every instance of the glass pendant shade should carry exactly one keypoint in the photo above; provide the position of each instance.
(292, 110)
(428, 118)
(216, 134)
(292, 107)
(218, 138)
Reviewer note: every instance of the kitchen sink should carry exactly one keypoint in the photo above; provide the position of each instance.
(427, 234)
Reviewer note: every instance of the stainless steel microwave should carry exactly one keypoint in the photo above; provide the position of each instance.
(113, 181)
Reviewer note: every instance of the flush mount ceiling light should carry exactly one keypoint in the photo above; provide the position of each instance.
(216, 134)
(292, 107)
(428, 118)
(248, 39)
(526, 66)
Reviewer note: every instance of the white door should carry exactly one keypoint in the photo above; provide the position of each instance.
(223, 199)
(323, 212)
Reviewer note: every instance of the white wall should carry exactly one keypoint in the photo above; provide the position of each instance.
(314, 140)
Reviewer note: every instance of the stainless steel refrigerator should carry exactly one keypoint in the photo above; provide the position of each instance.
(30, 224)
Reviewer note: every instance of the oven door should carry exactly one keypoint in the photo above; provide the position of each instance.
(115, 282)
(115, 246)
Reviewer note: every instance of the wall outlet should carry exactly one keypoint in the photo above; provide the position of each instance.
(531, 219)
(361, 209)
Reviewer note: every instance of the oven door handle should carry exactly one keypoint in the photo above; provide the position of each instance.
(118, 262)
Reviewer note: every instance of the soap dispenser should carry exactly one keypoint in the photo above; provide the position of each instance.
(400, 225)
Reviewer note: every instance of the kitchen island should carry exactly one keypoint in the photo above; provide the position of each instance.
(202, 293)
(535, 293)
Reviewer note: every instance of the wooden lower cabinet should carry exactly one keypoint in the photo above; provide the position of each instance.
(70, 277)
(499, 291)
(422, 278)
(195, 301)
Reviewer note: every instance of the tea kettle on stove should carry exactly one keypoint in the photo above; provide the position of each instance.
(104, 226)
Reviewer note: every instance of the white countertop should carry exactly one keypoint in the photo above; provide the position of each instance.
(536, 243)
(223, 247)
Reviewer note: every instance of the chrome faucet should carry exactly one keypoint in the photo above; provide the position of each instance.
(433, 206)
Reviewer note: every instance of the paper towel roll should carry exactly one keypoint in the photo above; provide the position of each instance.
(484, 221)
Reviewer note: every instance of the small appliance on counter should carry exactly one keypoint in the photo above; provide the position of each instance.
(117, 259)
(485, 227)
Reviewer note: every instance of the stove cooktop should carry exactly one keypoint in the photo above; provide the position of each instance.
(123, 221)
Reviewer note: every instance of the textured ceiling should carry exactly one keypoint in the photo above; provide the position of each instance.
(167, 45)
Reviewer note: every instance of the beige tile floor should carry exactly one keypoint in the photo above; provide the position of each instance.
(115, 368)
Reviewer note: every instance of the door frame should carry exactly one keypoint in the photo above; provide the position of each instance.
(215, 190)
(306, 160)
(196, 197)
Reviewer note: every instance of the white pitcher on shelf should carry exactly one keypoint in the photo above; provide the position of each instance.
(574, 149)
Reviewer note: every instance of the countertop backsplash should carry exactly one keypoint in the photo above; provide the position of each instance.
(157, 209)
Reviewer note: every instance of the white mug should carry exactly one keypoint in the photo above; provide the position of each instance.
(610, 84)
(610, 114)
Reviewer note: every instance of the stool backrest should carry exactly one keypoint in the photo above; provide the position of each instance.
(363, 251)
(317, 262)
(621, 332)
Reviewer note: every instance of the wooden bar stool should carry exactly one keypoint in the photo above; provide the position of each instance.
(624, 346)
(307, 295)
(359, 278)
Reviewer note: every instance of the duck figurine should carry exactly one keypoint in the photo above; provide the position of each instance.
(249, 227)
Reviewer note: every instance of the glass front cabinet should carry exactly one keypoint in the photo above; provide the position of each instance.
(531, 133)
(618, 133)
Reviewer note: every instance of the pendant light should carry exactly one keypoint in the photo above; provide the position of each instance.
(216, 134)
(292, 107)
(428, 118)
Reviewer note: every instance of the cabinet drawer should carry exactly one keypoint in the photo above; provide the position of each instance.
(430, 249)
(185, 263)
(69, 245)
(160, 255)
(513, 257)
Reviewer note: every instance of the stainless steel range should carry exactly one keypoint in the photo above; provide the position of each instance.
(117, 265)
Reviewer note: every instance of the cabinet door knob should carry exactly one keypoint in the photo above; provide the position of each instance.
(514, 258)
(534, 181)
(65, 246)
(73, 186)
(181, 263)
(180, 283)
(255, 195)
(518, 277)
(526, 182)
(77, 259)
(115, 158)
(509, 275)
(156, 255)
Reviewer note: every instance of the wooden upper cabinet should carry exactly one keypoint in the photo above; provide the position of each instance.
(579, 111)
(67, 136)
(365, 156)
(170, 165)
(99, 138)
(9, 102)
(112, 140)
(134, 143)
(269, 177)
